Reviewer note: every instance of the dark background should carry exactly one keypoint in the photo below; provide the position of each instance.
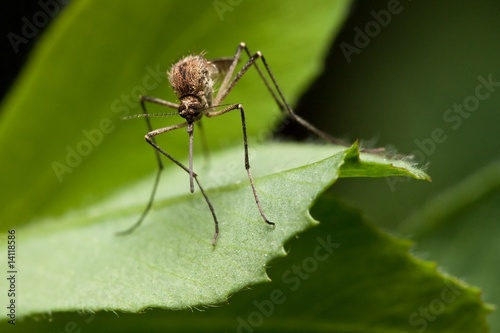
(11, 21)
(395, 92)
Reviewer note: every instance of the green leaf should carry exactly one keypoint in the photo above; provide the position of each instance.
(62, 141)
(169, 261)
(340, 276)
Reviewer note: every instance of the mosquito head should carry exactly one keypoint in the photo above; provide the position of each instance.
(190, 108)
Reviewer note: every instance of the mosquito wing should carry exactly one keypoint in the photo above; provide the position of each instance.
(222, 65)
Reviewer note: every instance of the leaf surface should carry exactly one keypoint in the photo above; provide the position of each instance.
(169, 261)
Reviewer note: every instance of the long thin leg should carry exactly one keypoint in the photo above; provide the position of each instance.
(226, 88)
(227, 84)
(223, 90)
(150, 138)
(190, 129)
(151, 141)
(245, 144)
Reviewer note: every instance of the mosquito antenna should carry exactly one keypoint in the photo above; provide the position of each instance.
(150, 115)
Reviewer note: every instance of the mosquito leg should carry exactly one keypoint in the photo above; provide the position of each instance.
(245, 144)
(228, 85)
(190, 133)
(278, 97)
(223, 90)
(286, 107)
(212, 210)
(150, 138)
(266, 83)
(148, 206)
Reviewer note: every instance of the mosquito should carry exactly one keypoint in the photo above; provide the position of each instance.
(192, 78)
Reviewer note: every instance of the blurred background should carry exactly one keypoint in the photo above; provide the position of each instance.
(404, 75)
(395, 90)
(402, 88)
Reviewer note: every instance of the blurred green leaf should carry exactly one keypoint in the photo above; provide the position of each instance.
(466, 216)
